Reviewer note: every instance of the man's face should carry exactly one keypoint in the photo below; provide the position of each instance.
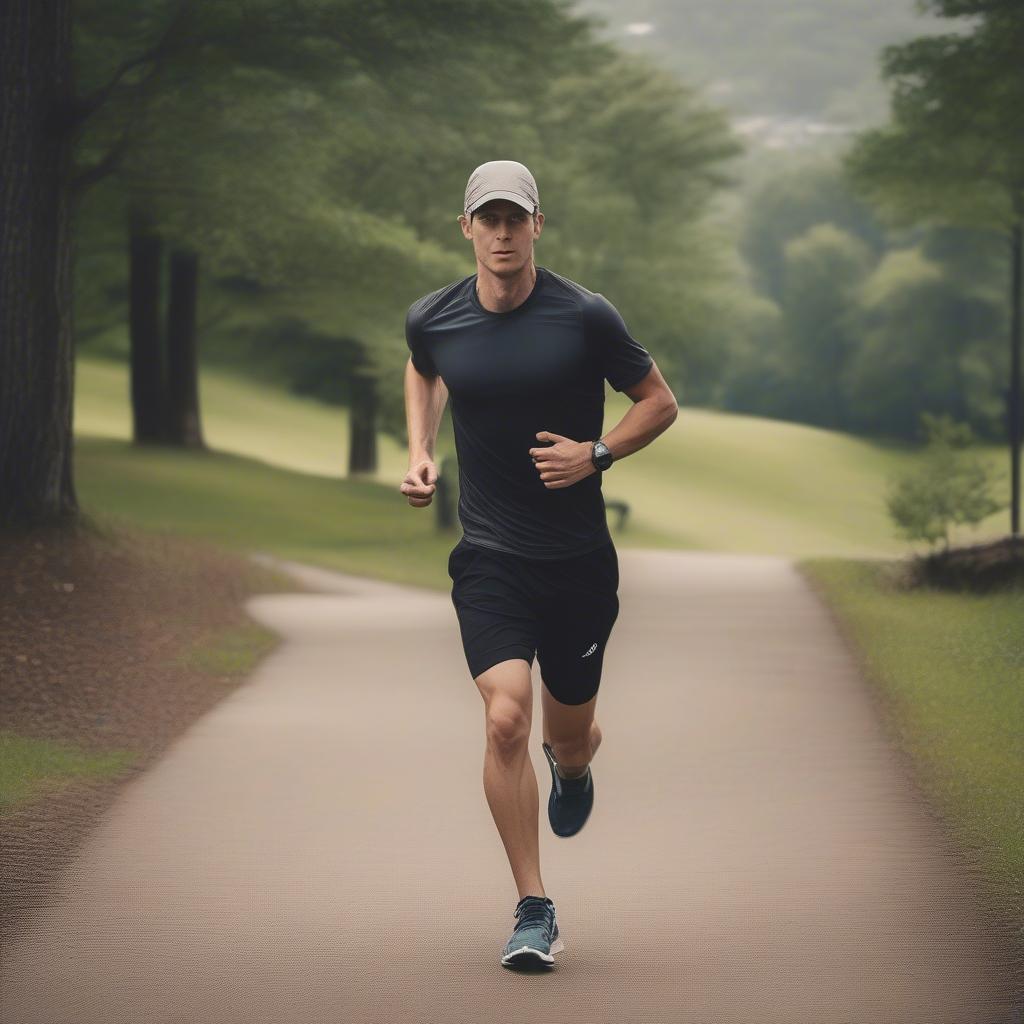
(503, 234)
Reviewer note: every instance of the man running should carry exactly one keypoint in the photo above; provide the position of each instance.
(524, 353)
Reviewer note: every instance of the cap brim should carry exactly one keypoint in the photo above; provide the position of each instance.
(511, 196)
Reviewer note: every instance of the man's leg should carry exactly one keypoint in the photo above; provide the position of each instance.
(577, 619)
(571, 732)
(510, 783)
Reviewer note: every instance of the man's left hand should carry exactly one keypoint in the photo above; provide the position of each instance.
(564, 463)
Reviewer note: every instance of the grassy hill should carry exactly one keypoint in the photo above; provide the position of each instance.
(275, 480)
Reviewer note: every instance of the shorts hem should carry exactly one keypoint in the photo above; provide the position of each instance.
(499, 654)
(576, 700)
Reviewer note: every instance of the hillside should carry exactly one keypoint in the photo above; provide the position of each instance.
(714, 481)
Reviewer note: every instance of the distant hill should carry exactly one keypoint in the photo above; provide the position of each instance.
(791, 70)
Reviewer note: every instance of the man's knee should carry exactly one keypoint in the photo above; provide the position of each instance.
(573, 752)
(578, 747)
(507, 690)
(508, 726)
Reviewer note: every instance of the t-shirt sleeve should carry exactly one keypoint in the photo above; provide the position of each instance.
(624, 361)
(414, 339)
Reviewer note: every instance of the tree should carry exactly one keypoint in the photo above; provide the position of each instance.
(951, 486)
(630, 159)
(265, 157)
(824, 270)
(790, 203)
(36, 360)
(953, 151)
(146, 363)
(926, 346)
(182, 423)
(120, 63)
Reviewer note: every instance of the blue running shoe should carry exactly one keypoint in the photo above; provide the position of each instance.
(535, 938)
(571, 799)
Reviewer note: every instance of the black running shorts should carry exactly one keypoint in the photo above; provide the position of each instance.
(561, 609)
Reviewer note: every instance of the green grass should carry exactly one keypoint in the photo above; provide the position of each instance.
(237, 415)
(355, 526)
(949, 671)
(713, 481)
(30, 767)
(230, 651)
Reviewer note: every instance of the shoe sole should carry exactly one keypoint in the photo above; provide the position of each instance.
(549, 757)
(528, 956)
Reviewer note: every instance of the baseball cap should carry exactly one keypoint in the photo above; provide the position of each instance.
(502, 179)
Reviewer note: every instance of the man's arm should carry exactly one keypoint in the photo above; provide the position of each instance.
(653, 411)
(425, 399)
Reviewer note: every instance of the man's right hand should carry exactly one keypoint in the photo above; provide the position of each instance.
(420, 483)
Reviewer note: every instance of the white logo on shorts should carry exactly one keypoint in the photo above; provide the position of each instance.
(593, 647)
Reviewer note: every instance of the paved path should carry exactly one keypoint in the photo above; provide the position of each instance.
(318, 847)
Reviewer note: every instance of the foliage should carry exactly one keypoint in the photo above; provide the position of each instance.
(824, 271)
(953, 150)
(929, 342)
(315, 155)
(790, 203)
(953, 485)
(863, 328)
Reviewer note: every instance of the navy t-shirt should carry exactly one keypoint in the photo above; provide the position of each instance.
(540, 366)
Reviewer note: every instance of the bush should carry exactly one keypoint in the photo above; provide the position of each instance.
(952, 485)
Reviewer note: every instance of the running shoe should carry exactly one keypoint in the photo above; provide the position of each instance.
(535, 938)
(570, 801)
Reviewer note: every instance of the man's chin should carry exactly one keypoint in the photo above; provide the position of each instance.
(507, 268)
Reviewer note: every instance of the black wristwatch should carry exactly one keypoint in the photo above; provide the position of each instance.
(601, 456)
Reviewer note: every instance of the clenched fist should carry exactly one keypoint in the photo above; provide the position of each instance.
(561, 461)
(420, 483)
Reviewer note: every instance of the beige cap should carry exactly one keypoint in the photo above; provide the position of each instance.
(502, 179)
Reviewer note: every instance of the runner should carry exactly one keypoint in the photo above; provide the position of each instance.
(523, 353)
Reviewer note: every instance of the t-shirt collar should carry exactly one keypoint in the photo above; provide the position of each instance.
(475, 299)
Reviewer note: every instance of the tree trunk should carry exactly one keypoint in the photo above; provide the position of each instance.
(362, 452)
(183, 425)
(146, 356)
(36, 343)
(1015, 412)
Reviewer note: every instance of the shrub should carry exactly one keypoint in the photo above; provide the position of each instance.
(951, 485)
